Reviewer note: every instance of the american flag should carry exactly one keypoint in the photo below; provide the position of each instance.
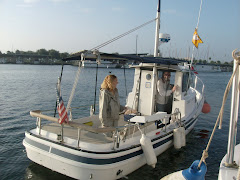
(63, 117)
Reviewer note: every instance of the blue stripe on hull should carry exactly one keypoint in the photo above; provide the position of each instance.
(37, 144)
(156, 145)
(88, 160)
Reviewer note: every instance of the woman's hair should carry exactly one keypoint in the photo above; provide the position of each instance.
(107, 82)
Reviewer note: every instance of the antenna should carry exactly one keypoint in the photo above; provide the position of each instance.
(136, 44)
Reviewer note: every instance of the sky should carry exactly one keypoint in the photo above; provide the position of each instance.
(74, 25)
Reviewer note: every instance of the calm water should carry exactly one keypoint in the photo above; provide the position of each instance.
(29, 87)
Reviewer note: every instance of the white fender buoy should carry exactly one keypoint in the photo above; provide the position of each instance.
(148, 151)
(179, 138)
(174, 176)
(183, 136)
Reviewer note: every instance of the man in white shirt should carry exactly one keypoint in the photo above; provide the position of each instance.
(164, 93)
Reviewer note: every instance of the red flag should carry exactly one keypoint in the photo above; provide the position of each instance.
(192, 68)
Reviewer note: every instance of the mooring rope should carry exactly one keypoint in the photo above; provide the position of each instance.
(220, 115)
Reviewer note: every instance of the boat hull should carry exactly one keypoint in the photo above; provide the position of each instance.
(229, 172)
(84, 164)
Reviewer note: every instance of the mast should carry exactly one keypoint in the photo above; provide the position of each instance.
(157, 30)
(154, 80)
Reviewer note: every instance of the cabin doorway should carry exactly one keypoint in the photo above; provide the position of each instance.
(164, 95)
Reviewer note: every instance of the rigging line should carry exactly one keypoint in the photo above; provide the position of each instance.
(122, 35)
(61, 72)
(74, 86)
(199, 14)
(139, 128)
(125, 79)
(55, 110)
(94, 106)
(192, 56)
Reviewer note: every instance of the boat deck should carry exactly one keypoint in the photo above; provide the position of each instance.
(86, 136)
(70, 132)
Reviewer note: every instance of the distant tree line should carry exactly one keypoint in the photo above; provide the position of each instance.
(212, 62)
(54, 54)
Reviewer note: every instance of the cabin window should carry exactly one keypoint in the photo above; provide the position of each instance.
(185, 82)
(148, 76)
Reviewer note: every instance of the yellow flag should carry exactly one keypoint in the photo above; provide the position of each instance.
(196, 39)
(90, 123)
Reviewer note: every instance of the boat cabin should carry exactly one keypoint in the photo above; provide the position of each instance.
(144, 91)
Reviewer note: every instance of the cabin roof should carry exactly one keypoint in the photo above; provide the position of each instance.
(167, 67)
(94, 55)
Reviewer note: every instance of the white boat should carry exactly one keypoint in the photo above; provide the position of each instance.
(207, 68)
(19, 61)
(82, 151)
(3, 60)
(230, 164)
(104, 64)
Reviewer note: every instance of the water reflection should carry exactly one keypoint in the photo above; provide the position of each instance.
(203, 134)
(37, 172)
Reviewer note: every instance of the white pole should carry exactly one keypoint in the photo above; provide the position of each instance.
(234, 115)
(154, 80)
(192, 56)
(157, 30)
